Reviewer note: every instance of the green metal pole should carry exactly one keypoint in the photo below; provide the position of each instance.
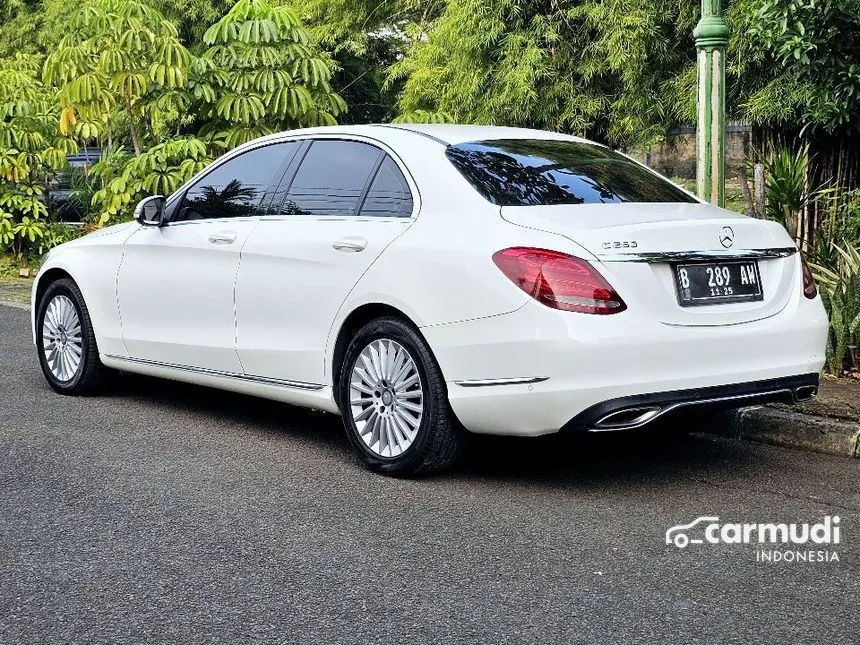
(712, 37)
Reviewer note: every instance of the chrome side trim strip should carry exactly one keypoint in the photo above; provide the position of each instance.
(687, 256)
(521, 380)
(298, 385)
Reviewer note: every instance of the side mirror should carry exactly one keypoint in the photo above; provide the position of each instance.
(150, 210)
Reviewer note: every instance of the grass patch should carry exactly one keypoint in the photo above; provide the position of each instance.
(15, 289)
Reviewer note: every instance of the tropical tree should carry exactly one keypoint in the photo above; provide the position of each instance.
(31, 147)
(261, 73)
(611, 69)
(796, 63)
(119, 55)
(158, 171)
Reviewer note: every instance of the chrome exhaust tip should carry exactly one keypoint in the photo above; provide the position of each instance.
(627, 419)
(805, 393)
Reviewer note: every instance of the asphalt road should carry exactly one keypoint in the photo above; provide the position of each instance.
(163, 513)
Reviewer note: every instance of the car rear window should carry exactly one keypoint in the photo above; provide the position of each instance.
(538, 172)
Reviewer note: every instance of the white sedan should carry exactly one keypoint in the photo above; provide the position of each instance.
(426, 280)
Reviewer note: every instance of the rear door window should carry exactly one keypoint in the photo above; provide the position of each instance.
(332, 179)
(538, 172)
(389, 194)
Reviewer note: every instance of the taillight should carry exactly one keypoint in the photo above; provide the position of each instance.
(559, 281)
(809, 288)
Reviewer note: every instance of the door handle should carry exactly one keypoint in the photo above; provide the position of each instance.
(222, 237)
(350, 244)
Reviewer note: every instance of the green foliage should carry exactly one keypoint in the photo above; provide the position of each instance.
(840, 291)
(158, 171)
(624, 70)
(123, 69)
(31, 147)
(117, 54)
(193, 17)
(366, 37)
(362, 81)
(261, 74)
(816, 47)
(608, 69)
(423, 116)
(353, 25)
(54, 234)
(841, 224)
(124, 79)
(787, 189)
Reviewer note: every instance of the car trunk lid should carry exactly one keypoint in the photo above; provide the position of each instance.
(639, 246)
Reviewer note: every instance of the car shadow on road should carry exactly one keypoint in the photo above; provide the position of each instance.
(663, 453)
(260, 414)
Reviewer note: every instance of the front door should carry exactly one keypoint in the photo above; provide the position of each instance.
(176, 282)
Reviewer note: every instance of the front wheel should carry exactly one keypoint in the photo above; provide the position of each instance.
(394, 401)
(65, 340)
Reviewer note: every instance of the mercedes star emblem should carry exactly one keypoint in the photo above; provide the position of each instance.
(727, 236)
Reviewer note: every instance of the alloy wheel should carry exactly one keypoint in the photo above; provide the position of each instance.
(386, 397)
(62, 341)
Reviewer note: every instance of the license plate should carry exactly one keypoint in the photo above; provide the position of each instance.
(717, 282)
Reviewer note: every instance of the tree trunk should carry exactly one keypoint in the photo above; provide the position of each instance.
(148, 120)
(759, 190)
(130, 115)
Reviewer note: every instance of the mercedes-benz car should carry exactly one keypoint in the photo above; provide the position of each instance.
(425, 281)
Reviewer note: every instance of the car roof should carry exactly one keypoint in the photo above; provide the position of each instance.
(444, 133)
(454, 133)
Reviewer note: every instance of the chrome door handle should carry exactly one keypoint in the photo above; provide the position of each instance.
(350, 244)
(222, 237)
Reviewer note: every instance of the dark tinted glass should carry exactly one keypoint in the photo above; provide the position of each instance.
(235, 188)
(389, 194)
(331, 179)
(532, 172)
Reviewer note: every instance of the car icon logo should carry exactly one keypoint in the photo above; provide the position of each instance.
(727, 236)
(678, 535)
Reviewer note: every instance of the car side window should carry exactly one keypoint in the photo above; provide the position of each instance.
(389, 194)
(236, 187)
(332, 178)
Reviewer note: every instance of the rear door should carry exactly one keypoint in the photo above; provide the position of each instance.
(335, 211)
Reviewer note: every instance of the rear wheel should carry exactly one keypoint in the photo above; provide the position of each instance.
(65, 340)
(394, 402)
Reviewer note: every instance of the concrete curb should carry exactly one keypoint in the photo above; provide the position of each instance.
(15, 305)
(793, 429)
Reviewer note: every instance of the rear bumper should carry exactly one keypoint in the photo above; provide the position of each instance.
(636, 411)
(536, 370)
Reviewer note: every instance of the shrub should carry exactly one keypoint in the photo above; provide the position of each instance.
(840, 291)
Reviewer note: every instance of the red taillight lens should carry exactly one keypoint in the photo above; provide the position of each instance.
(559, 281)
(809, 288)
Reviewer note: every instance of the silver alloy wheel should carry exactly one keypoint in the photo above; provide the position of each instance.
(62, 342)
(385, 396)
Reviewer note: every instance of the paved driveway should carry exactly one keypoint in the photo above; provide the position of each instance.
(166, 513)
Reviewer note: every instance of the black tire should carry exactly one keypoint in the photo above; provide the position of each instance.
(90, 372)
(439, 438)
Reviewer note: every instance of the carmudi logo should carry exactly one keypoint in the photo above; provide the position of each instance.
(772, 540)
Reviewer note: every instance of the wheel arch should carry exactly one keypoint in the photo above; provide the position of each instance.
(356, 319)
(43, 281)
